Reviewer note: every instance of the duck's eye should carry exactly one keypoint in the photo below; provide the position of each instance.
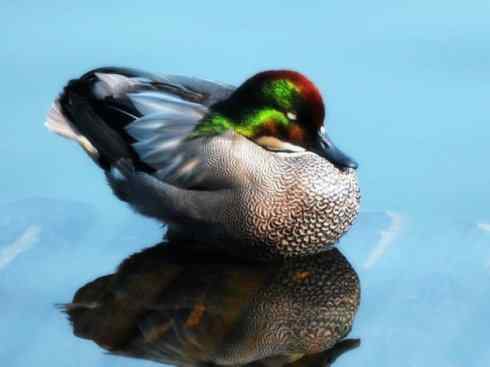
(291, 115)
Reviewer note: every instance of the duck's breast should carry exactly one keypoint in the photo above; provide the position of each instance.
(299, 205)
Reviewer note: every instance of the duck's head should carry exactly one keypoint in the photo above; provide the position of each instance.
(280, 110)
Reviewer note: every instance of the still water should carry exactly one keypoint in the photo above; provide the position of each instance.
(167, 304)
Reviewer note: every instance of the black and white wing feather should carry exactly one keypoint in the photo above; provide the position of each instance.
(118, 113)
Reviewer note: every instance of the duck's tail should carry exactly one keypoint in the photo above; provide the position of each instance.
(58, 123)
(93, 111)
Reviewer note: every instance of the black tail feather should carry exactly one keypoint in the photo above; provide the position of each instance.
(101, 121)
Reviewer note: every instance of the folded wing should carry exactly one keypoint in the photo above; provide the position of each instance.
(116, 113)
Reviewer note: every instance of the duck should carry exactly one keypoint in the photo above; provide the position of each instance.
(173, 306)
(214, 162)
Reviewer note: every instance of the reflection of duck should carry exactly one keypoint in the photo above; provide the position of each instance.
(166, 306)
(214, 162)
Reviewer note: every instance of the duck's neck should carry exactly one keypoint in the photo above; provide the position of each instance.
(212, 124)
(249, 123)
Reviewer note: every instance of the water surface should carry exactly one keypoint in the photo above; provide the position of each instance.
(407, 88)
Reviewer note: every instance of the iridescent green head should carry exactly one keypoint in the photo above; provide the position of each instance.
(280, 110)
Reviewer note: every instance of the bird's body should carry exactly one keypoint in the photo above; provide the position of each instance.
(213, 162)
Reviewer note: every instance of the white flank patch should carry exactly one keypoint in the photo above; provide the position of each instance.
(25, 241)
(387, 237)
(484, 226)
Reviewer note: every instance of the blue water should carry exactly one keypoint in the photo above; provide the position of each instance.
(407, 86)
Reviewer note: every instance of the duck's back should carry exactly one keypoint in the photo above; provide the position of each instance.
(117, 113)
